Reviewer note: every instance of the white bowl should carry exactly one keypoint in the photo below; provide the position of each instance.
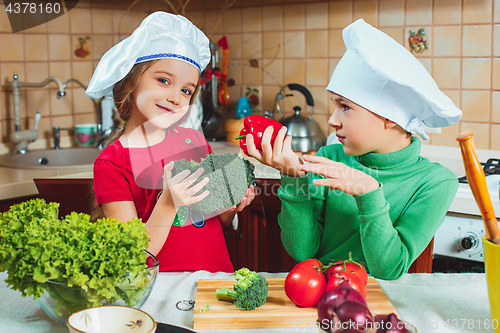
(111, 319)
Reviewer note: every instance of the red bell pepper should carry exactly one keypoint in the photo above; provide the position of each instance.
(256, 125)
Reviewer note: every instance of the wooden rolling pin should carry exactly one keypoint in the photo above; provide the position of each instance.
(477, 183)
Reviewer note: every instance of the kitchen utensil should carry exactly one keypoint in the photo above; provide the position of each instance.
(492, 272)
(306, 134)
(277, 312)
(223, 92)
(477, 182)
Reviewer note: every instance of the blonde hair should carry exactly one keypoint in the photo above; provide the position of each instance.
(123, 94)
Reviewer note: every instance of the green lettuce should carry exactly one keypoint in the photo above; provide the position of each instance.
(94, 263)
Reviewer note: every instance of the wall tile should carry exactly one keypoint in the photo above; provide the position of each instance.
(448, 136)
(418, 12)
(454, 95)
(447, 11)
(4, 20)
(481, 133)
(317, 15)
(252, 45)
(336, 43)
(496, 74)
(340, 13)
(12, 47)
(61, 70)
(316, 72)
(252, 76)
(476, 73)
(317, 44)
(82, 71)
(446, 72)
(495, 137)
(367, 10)
(427, 63)
(294, 17)
(395, 33)
(81, 102)
(495, 107)
(272, 18)
(37, 72)
(447, 41)
(36, 47)
(213, 23)
(38, 99)
(321, 98)
(102, 21)
(294, 44)
(232, 20)
(496, 17)
(59, 47)
(75, 44)
(391, 13)
(8, 68)
(332, 63)
(268, 97)
(272, 71)
(476, 41)
(252, 20)
(322, 121)
(85, 118)
(122, 22)
(61, 106)
(272, 44)
(496, 39)
(294, 71)
(64, 121)
(41, 28)
(80, 19)
(101, 44)
(234, 71)
(234, 43)
(428, 37)
(474, 11)
(197, 17)
(138, 17)
(476, 106)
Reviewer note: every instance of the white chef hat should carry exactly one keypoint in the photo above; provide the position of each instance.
(382, 76)
(160, 35)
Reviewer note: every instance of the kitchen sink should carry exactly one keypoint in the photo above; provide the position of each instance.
(51, 158)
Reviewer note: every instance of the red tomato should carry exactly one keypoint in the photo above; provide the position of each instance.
(310, 263)
(349, 266)
(354, 280)
(304, 286)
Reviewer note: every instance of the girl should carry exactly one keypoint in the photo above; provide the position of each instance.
(153, 76)
(373, 195)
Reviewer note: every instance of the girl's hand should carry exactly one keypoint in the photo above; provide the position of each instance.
(339, 176)
(280, 156)
(247, 199)
(178, 191)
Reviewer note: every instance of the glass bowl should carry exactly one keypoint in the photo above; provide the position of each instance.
(133, 289)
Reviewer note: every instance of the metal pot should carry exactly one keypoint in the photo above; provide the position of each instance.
(306, 134)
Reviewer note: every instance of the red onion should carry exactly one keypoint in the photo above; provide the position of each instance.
(329, 304)
(355, 317)
(389, 324)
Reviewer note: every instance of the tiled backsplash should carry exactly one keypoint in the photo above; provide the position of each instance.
(292, 41)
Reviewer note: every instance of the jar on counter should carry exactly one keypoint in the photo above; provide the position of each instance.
(243, 108)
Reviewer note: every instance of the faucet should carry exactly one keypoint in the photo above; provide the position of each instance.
(101, 135)
(22, 138)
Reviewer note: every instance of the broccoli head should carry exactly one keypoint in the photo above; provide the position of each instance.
(229, 176)
(250, 290)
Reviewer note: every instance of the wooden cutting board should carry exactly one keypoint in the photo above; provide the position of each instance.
(277, 312)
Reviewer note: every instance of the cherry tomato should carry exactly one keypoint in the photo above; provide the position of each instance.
(350, 266)
(355, 282)
(304, 286)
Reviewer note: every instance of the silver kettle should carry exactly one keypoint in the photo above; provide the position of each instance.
(306, 134)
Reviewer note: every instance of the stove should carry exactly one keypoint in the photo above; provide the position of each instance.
(459, 238)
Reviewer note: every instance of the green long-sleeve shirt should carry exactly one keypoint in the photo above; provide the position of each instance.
(386, 228)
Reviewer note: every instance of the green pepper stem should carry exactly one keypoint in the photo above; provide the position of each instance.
(240, 137)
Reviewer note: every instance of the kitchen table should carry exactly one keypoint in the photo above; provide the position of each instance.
(433, 302)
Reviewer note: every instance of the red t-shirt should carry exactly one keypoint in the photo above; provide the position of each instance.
(134, 174)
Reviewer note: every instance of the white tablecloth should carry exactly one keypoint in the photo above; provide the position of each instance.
(434, 303)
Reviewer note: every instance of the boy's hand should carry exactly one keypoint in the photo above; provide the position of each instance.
(178, 191)
(339, 176)
(247, 199)
(280, 156)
